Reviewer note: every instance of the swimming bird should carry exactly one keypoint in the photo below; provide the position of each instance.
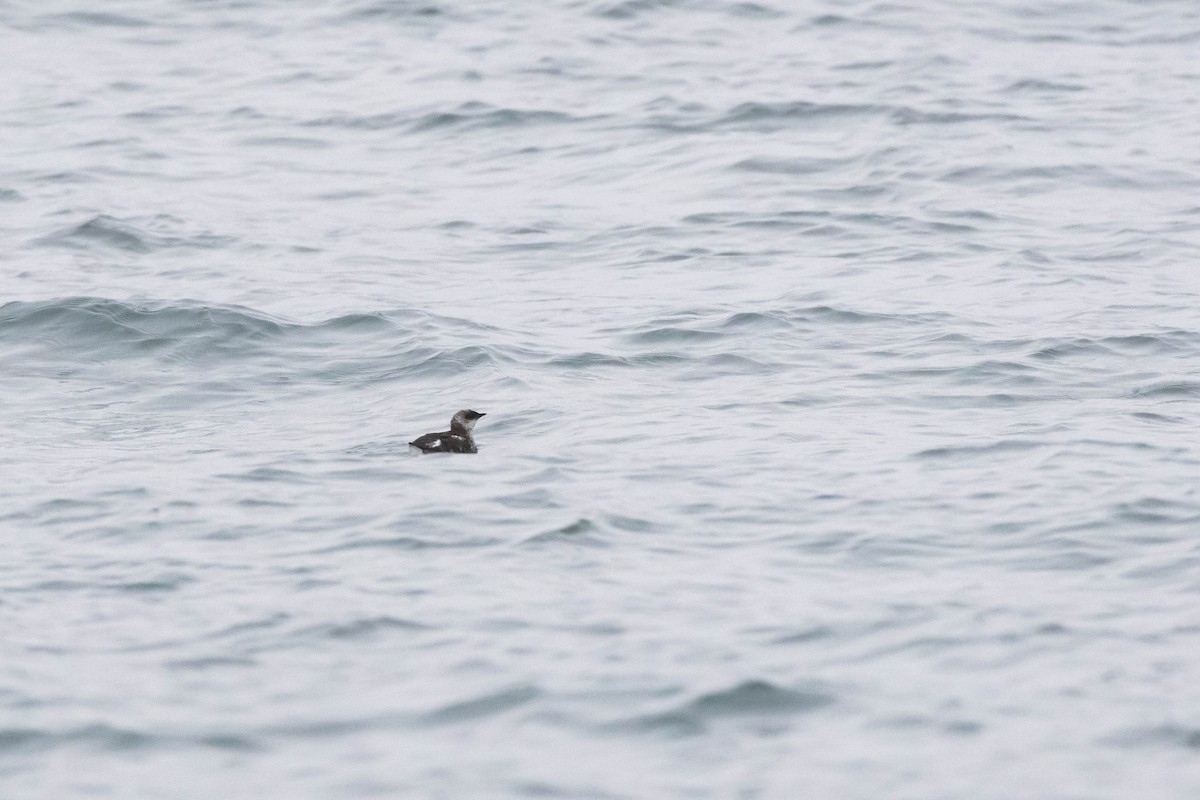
(456, 440)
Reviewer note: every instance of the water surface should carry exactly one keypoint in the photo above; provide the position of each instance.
(840, 368)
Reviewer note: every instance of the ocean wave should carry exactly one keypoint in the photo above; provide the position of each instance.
(792, 166)
(110, 232)
(1053, 175)
(365, 628)
(481, 707)
(753, 699)
(406, 11)
(114, 739)
(1168, 389)
(580, 532)
(89, 19)
(369, 347)
(467, 116)
(760, 115)
(1165, 736)
(704, 326)
(633, 9)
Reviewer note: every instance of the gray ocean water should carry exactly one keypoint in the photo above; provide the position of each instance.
(841, 362)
